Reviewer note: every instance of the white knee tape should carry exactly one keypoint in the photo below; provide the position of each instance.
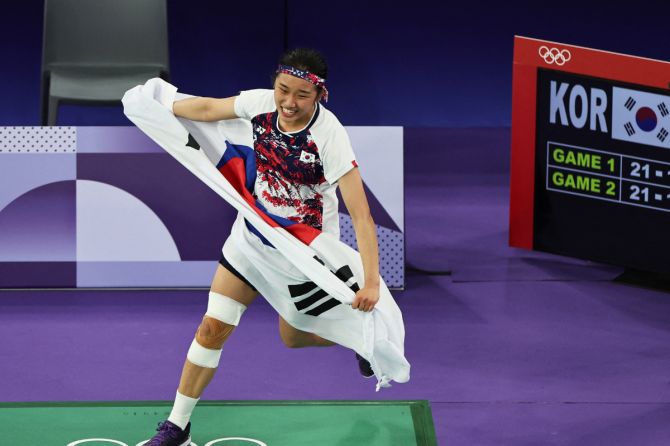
(204, 357)
(224, 308)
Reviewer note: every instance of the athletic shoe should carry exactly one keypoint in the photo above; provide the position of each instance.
(169, 434)
(364, 367)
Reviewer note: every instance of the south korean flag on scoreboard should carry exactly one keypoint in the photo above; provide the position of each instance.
(641, 117)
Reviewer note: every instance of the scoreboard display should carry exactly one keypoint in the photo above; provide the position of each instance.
(591, 155)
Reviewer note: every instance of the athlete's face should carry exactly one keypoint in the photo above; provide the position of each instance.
(295, 99)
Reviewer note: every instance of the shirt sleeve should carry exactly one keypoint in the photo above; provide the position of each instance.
(337, 155)
(252, 103)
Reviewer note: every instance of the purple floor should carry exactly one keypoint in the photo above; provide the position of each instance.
(516, 348)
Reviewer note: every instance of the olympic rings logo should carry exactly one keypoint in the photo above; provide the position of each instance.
(211, 443)
(554, 55)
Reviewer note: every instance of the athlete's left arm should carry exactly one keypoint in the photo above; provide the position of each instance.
(353, 194)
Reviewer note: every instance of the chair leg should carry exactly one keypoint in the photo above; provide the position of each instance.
(53, 111)
(44, 111)
(44, 98)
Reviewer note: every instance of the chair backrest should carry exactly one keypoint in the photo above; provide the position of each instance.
(105, 32)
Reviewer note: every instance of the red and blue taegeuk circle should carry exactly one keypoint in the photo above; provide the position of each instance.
(646, 119)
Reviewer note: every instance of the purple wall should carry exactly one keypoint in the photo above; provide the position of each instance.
(107, 207)
(436, 64)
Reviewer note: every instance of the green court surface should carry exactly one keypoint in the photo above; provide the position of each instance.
(224, 423)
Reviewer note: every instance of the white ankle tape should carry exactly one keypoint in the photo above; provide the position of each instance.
(204, 357)
(224, 308)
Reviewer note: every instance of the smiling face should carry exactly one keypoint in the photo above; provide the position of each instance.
(295, 99)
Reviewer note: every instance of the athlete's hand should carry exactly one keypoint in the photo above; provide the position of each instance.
(366, 299)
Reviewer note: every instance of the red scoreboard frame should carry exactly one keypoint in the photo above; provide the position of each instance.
(529, 56)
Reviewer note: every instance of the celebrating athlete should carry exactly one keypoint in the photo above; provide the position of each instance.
(302, 153)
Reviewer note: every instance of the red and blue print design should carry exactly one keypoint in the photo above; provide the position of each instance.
(238, 166)
(289, 170)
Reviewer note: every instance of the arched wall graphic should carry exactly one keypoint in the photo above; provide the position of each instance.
(115, 226)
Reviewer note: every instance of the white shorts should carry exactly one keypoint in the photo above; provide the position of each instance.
(298, 300)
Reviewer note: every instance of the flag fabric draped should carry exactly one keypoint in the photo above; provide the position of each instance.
(308, 276)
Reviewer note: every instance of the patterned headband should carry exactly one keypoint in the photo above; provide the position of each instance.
(306, 75)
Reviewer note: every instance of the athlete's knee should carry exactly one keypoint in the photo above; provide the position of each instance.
(212, 333)
(292, 340)
(222, 316)
(290, 336)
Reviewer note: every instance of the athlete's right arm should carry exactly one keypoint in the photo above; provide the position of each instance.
(205, 109)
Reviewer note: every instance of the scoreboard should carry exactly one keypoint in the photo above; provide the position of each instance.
(590, 171)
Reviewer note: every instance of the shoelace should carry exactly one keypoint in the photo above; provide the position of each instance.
(165, 432)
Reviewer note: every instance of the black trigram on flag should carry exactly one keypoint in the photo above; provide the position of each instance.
(663, 109)
(629, 128)
(662, 135)
(309, 294)
(192, 142)
(630, 103)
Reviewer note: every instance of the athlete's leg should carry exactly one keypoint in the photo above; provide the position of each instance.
(294, 338)
(212, 333)
(228, 298)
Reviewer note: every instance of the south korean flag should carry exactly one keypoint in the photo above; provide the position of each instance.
(307, 157)
(641, 117)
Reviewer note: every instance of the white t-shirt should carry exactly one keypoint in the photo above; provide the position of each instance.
(297, 173)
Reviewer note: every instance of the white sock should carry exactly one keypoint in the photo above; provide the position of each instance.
(181, 411)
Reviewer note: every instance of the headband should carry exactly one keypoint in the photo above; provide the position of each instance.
(306, 75)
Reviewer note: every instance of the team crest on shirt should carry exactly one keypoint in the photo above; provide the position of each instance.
(307, 157)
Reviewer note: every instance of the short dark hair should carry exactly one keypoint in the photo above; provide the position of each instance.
(306, 59)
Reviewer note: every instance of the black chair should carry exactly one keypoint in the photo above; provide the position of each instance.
(95, 50)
